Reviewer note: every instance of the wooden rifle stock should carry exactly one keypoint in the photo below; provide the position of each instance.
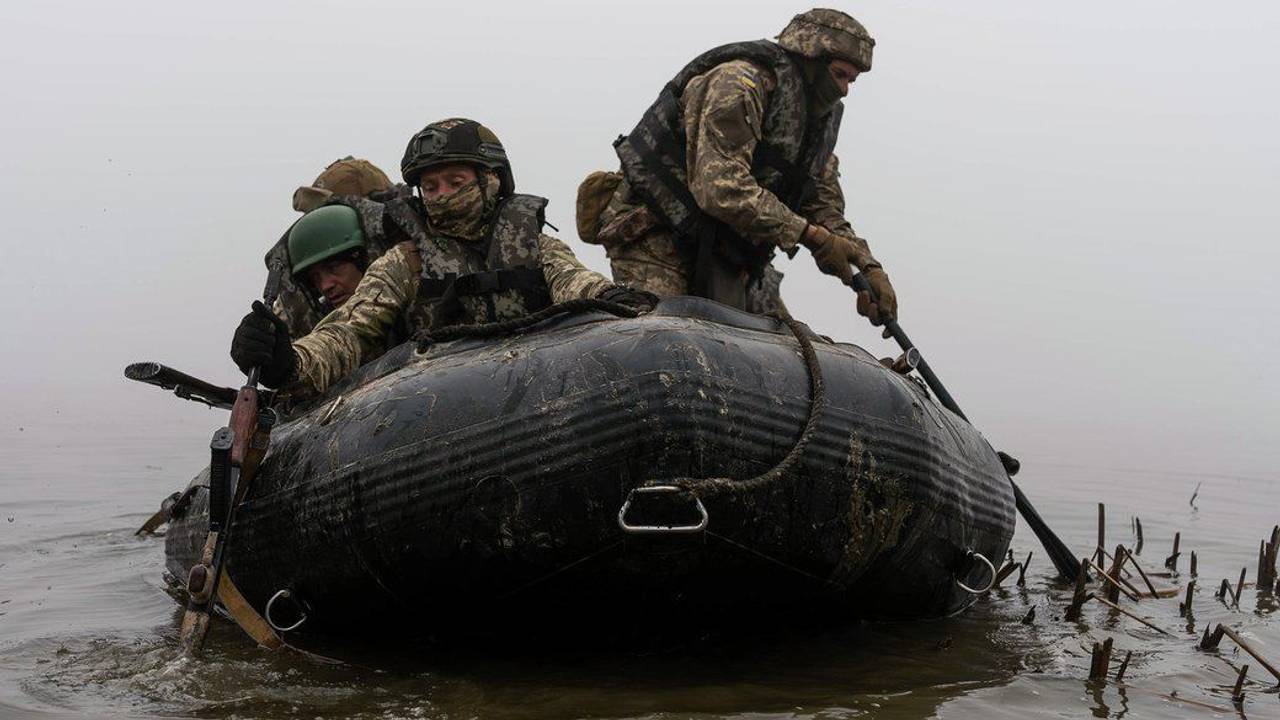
(232, 468)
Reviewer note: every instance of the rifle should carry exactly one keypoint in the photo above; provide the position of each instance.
(183, 385)
(235, 454)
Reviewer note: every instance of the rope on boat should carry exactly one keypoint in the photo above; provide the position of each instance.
(710, 487)
(702, 487)
(505, 327)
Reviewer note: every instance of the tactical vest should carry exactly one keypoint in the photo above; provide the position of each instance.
(497, 278)
(788, 160)
(300, 308)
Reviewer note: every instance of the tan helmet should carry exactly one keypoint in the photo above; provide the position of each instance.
(823, 33)
(348, 176)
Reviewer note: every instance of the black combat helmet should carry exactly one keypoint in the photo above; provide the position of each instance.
(457, 140)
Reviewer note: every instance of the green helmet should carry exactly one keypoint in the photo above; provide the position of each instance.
(457, 140)
(822, 33)
(322, 234)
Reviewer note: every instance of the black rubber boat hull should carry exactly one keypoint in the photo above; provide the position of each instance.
(476, 489)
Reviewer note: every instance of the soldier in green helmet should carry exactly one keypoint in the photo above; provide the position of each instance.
(363, 188)
(476, 255)
(327, 254)
(735, 161)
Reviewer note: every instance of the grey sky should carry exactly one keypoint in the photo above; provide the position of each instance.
(1078, 205)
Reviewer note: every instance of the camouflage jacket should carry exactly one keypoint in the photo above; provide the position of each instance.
(356, 332)
(724, 111)
(294, 304)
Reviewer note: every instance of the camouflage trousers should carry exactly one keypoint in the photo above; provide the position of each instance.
(653, 261)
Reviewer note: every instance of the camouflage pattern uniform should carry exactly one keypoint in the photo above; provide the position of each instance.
(355, 332)
(725, 113)
(349, 181)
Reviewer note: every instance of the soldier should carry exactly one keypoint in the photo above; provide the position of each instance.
(327, 255)
(479, 256)
(734, 161)
(365, 189)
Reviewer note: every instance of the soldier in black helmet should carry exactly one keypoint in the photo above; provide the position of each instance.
(733, 162)
(479, 255)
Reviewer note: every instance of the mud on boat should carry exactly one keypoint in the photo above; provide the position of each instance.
(528, 484)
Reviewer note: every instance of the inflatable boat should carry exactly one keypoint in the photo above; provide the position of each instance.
(694, 465)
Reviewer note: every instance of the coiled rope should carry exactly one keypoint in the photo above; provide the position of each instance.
(710, 487)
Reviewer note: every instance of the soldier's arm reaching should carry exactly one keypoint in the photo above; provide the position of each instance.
(566, 276)
(351, 335)
(723, 113)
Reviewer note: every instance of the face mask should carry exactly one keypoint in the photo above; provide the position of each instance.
(824, 92)
(461, 214)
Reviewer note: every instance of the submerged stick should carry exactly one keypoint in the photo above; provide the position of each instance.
(1237, 693)
(1137, 529)
(1184, 608)
(1079, 596)
(1267, 559)
(1022, 570)
(1209, 641)
(1005, 572)
(1124, 665)
(1240, 587)
(1193, 563)
(1102, 533)
(1112, 593)
(1115, 583)
(1101, 663)
(1135, 616)
(1150, 586)
(1171, 562)
(1245, 646)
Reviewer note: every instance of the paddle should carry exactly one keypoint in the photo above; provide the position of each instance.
(1066, 563)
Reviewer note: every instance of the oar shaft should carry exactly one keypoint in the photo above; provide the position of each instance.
(922, 366)
(1057, 550)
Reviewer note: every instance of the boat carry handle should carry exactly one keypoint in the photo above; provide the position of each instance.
(285, 595)
(990, 583)
(661, 529)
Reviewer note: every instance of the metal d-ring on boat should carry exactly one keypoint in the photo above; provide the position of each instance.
(285, 594)
(703, 518)
(991, 582)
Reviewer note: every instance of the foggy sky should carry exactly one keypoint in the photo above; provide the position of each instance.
(1077, 204)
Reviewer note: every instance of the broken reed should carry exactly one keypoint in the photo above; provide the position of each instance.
(1267, 559)
(1211, 640)
(1101, 660)
(1115, 584)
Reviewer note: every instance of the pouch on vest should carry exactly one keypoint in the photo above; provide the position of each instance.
(594, 195)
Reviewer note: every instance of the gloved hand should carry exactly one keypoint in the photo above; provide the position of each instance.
(886, 305)
(641, 300)
(262, 340)
(834, 254)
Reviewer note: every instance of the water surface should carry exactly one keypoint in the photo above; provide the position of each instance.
(87, 629)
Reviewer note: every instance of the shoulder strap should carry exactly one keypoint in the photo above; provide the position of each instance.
(515, 231)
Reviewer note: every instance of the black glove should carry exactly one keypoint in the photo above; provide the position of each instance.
(641, 300)
(262, 340)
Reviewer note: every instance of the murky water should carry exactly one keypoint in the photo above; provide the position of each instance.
(86, 628)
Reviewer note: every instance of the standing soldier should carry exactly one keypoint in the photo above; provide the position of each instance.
(482, 258)
(734, 161)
